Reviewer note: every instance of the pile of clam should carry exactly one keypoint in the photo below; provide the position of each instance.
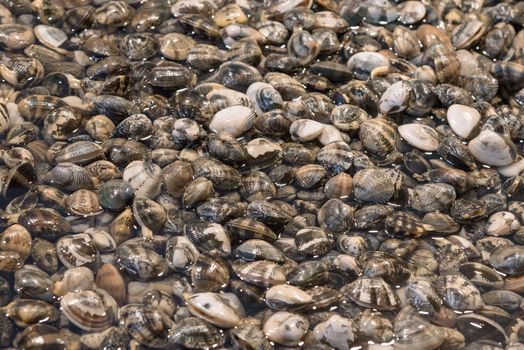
(257, 175)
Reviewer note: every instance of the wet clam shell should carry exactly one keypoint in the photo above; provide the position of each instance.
(377, 185)
(80, 152)
(78, 250)
(463, 120)
(509, 260)
(492, 148)
(194, 333)
(180, 253)
(337, 331)
(372, 292)
(459, 293)
(379, 136)
(261, 273)
(286, 297)
(145, 325)
(89, 310)
(144, 177)
(215, 308)
(286, 328)
(83, 203)
(313, 241)
(432, 197)
(474, 327)
(420, 136)
(43, 223)
(16, 238)
(141, 262)
(257, 249)
(209, 237)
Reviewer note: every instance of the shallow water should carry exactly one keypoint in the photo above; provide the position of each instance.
(275, 174)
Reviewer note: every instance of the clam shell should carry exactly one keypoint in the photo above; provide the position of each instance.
(337, 331)
(209, 237)
(83, 203)
(89, 310)
(214, 308)
(141, 262)
(261, 273)
(420, 136)
(144, 177)
(145, 325)
(286, 297)
(492, 148)
(286, 328)
(194, 333)
(372, 292)
(78, 250)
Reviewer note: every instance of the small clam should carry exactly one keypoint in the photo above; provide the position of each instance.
(257, 249)
(78, 250)
(180, 253)
(261, 273)
(144, 177)
(286, 297)
(502, 223)
(26, 312)
(378, 185)
(492, 148)
(459, 293)
(337, 331)
(194, 333)
(474, 327)
(209, 274)
(145, 325)
(209, 237)
(44, 255)
(89, 310)
(379, 136)
(217, 309)
(44, 223)
(235, 120)
(508, 260)
(372, 292)
(286, 328)
(432, 197)
(141, 262)
(420, 136)
(83, 203)
(313, 241)
(221, 175)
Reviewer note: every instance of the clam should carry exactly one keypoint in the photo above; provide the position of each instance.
(420, 136)
(217, 309)
(378, 185)
(141, 262)
(261, 273)
(145, 325)
(459, 293)
(379, 136)
(144, 177)
(209, 237)
(492, 148)
(78, 250)
(286, 297)
(286, 328)
(194, 333)
(257, 249)
(372, 292)
(83, 203)
(180, 253)
(337, 331)
(89, 310)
